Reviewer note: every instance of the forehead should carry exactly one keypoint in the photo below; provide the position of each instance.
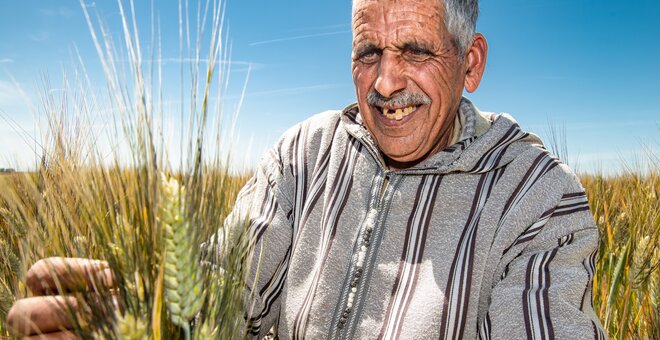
(373, 18)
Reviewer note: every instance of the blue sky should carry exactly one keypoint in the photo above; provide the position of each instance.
(591, 67)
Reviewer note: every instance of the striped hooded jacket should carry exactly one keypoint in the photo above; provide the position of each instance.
(491, 237)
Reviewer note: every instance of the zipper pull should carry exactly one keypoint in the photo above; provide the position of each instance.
(383, 188)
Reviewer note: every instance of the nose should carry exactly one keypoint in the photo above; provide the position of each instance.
(390, 74)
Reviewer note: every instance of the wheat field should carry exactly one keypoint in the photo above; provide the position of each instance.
(152, 218)
(149, 218)
(625, 207)
(627, 280)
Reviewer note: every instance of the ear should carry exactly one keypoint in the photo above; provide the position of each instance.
(475, 62)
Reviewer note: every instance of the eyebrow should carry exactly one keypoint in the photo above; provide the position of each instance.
(415, 46)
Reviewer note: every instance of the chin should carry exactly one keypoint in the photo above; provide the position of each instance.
(402, 162)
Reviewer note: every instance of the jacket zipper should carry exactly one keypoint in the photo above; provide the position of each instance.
(348, 309)
(354, 287)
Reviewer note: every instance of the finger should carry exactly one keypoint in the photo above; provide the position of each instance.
(58, 274)
(63, 335)
(43, 314)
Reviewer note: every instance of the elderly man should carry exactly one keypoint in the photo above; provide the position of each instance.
(412, 214)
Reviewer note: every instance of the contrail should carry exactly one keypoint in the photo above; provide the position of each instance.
(298, 37)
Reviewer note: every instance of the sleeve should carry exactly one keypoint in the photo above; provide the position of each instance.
(256, 239)
(545, 291)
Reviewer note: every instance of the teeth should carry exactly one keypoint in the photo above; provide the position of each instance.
(398, 114)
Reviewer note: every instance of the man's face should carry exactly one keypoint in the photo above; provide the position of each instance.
(408, 76)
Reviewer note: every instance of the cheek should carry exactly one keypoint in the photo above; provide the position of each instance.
(355, 70)
(444, 77)
(433, 79)
(362, 78)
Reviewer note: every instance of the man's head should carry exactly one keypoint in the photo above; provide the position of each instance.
(411, 61)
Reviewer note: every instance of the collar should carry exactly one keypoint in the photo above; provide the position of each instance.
(469, 123)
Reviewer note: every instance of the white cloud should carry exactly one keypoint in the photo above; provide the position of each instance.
(15, 152)
(617, 162)
(8, 94)
(6, 60)
(16, 104)
(294, 90)
(61, 12)
(235, 65)
(39, 36)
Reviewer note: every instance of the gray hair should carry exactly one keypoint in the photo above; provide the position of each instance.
(460, 21)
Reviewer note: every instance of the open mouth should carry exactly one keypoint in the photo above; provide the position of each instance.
(399, 113)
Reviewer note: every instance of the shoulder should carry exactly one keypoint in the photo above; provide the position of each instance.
(534, 182)
(524, 153)
(542, 191)
(540, 178)
(311, 131)
(299, 147)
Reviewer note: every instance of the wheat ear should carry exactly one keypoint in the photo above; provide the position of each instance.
(183, 292)
(129, 327)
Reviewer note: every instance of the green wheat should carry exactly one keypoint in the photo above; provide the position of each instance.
(183, 287)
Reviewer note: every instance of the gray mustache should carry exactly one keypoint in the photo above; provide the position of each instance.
(400, 99)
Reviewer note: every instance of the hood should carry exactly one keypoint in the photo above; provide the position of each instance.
(486, 141)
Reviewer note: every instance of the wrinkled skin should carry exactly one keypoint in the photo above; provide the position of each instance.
(403, 47)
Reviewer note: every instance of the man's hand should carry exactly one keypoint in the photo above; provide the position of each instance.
(47, 315)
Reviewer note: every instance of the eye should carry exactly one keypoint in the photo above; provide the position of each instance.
(369, 55)
(416, 53)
